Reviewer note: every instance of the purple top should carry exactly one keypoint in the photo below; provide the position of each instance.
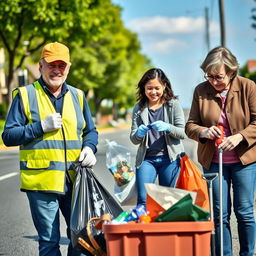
(228, 156)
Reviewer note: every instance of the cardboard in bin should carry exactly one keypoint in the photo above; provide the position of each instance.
(188, 238)
(161, 198)
(184, 210)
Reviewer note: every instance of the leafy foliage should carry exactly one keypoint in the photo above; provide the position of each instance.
(254, 17)
(3, 110)
(26, 25)
(105, 56)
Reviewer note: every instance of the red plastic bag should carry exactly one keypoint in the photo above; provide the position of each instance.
(190, 178)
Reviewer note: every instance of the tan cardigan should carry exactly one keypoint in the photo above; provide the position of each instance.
(241, 114)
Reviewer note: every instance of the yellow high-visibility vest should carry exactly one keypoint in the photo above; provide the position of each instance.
(45, 160)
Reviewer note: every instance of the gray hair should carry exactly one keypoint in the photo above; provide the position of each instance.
(219, 56)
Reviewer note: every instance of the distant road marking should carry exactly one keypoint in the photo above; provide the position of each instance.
(9, 175)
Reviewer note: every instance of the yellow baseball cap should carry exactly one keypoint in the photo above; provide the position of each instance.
(55, 51)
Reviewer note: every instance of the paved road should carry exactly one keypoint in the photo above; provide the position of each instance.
(17, 234)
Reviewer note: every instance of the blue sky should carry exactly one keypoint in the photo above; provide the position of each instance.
(172, 35)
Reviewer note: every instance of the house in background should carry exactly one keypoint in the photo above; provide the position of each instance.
(251, 66)
(249, 70)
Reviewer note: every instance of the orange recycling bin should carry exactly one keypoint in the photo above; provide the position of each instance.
(159, 238)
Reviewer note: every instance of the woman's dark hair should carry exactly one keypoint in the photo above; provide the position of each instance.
(162, 78)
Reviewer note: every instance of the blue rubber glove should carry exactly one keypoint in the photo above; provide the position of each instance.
(142, 131)
(161, 126)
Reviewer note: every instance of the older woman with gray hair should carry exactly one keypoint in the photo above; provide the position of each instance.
(229, 100)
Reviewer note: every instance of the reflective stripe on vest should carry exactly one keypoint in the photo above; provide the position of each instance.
(44, 160)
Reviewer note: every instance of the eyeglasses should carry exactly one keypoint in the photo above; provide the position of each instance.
(216, 78)
(61, 66)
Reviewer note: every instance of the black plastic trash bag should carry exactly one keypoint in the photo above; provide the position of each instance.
(89, 199)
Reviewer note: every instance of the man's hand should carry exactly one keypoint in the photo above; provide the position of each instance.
(87, 157)
(51, 123)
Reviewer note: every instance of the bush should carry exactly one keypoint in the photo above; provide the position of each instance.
(1, 129)
(2, 122)
(3, 110)
(106, 110)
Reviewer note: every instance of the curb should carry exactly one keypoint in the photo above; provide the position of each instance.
(113, 129)
(3, 147)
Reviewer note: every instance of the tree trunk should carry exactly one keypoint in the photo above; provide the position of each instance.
(115, 111)
(9, 83)
(97, 102)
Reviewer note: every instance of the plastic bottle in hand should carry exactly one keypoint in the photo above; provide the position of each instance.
(220, 139)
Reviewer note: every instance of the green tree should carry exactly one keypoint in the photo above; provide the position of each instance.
(254, 17)
(105, 55)
(26, 25)
(111, 66)
(124, 67)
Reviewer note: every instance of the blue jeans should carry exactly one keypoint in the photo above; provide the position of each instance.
(151, 167)
(44, 209)
(242, 178)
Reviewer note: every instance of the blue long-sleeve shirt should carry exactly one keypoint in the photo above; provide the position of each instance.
(17, 131)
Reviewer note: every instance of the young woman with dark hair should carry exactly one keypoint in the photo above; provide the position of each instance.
(157, 127)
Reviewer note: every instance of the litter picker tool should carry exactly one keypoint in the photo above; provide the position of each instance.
(218, 142)
(210, 177)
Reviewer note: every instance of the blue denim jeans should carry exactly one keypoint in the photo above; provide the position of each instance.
(44, 209)
(242, 178)
(152, 167)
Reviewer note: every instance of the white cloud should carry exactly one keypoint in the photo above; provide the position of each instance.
(164, 35)
(166, 46)
(168, 26)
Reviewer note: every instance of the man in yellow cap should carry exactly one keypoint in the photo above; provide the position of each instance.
(51, 122)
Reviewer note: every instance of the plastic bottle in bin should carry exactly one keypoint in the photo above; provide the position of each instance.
(118, 159)
(120, 219)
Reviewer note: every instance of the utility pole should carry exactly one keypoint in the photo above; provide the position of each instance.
(207, 33)
(222, 23)
(207, 37)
